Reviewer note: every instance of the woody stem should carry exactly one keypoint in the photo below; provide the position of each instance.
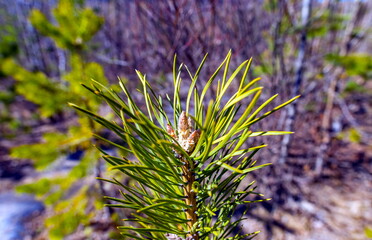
(189, 178)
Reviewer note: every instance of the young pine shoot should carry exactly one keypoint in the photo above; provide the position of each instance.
(189, 161)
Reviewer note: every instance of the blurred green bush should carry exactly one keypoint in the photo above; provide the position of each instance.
(74, 27)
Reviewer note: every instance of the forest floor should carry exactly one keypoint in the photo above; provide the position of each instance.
(330, 209)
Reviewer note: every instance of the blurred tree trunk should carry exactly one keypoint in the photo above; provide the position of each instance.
(299, 75)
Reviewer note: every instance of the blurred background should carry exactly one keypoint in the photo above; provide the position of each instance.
(320, 180)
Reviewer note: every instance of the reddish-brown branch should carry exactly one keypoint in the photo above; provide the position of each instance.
(189, 179)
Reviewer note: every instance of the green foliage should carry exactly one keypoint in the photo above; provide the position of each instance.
(326, 22)
(354, 87)
(8, 40)
(8, 46)
(39, 188)
(75, 26)
(320, 24)
(354, 64)
(6, 97)
(72, 213)
(351, 135)
(36, 87)
(69, 209)
(6, 121)
(368, 232)
(188, 181)
(82, 73)
(54, 191)
(51, 96)
(54, 145)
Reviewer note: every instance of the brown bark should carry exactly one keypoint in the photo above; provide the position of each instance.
(189, 179)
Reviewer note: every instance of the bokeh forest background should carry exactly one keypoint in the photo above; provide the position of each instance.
(320, 181)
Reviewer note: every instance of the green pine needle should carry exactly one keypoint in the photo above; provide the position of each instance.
(187, 182)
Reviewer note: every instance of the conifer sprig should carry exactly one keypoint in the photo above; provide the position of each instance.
(189, 168)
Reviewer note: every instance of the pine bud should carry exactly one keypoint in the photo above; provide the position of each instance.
(171, 132)
(183, 122)
(192, 140)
